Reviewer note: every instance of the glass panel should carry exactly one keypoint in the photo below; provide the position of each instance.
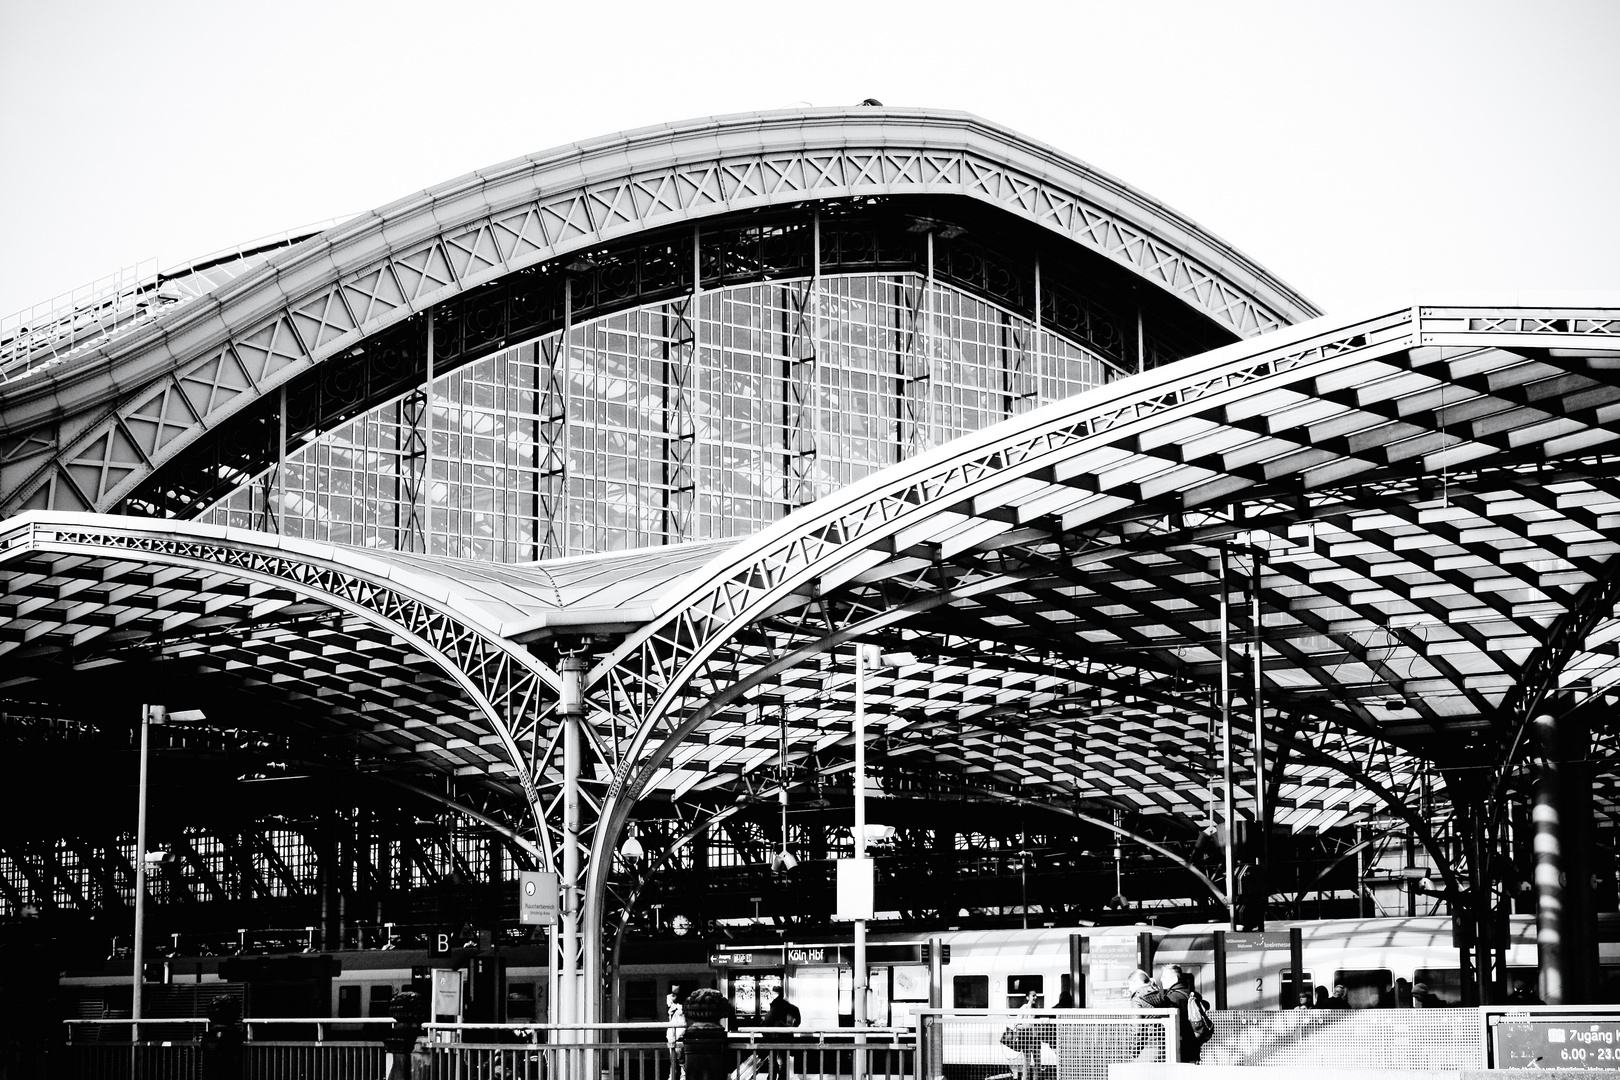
(1285, 991)
(1434, 988)
(651, 427)
(1021, 988)
(640, 1000)
(1366, 988)
(520, 1003)
(970, 992)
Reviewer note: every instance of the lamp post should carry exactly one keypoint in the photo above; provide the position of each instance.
(865, 656)
(150, 715)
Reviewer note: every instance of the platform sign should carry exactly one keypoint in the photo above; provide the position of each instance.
(537, 897)
(447, 995)
(1254, 963)
(1112, 959)
(1556, 1042)
(855, 889)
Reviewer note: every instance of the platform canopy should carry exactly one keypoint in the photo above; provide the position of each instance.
(1423, 503)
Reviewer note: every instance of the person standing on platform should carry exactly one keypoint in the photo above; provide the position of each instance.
(677, 1027)
(1143, 991)
(781, 1014)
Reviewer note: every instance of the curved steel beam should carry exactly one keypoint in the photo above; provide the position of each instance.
(505, 682)
(157, 387)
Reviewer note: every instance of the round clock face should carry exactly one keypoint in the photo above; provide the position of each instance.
(680, 924)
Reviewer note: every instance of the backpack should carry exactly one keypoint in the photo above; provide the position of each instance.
(1199, 1022)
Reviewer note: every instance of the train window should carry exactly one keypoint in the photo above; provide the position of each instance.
(1285, 991)
(520, 1003)
(970, 992)
(641, 1000)
(1435, 988)
(1369, 988)
(348, 1001)
(1021, 987)
(381, 995)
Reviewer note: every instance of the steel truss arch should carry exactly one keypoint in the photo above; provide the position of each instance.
(509, 687)
(1422, 401)
(200, 363)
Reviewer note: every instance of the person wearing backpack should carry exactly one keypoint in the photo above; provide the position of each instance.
(1193, 1023)
(1143, 991)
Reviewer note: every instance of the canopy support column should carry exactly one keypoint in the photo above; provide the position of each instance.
(570, 706)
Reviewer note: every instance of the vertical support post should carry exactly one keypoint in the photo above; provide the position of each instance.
(427, 440)
(150, 714)
(1220, 969)
(281, 461)
(936, 972)
(570, 706)
(1038, 352)
(1077, 969)
(1260, 853)
(1227, 808)
(1296, 963)
(1259, 705)
(1141, 340)
(1549, 864)
(860, 976)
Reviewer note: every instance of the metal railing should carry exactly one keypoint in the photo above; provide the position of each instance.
(963, 1044)
(1068, 1044)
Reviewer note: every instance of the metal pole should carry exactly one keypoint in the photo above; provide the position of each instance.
(1262, 823)
(1226, 744)
(860, 978)
(1259, 702)
(570, 705)
(1549, 866)
(426, 493)
(150, 714)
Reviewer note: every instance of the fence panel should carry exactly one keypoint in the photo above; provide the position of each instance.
(1353, 1038)
(184, 1061)
(312, 1061)
(979, 1044)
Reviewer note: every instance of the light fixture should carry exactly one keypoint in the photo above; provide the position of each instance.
(631, 850)
(783, 860)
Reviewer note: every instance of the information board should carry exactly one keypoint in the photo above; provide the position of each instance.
(1254, 962)
(1112, 959)
(1561, 1042)
(537, 897)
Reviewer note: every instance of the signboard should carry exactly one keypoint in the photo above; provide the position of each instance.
(811, 954)
(1113, 959)
(1556, 1042)
(1254, 962)
(537, 897)
(855, 889)
(447, 995)
(733, 959)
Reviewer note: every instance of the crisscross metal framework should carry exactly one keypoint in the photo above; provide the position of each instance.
(1426, 493)
(198, 364)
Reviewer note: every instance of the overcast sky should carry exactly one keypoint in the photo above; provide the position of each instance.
(1361, 151)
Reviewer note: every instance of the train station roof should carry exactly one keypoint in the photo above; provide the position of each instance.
(1421, 505)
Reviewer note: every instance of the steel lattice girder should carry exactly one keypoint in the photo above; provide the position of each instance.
(339, 627)
(1426, 490)
(196, 365)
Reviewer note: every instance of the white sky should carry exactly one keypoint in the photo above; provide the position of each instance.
(1362, 151)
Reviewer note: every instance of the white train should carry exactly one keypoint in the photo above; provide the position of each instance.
(1381, 962)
